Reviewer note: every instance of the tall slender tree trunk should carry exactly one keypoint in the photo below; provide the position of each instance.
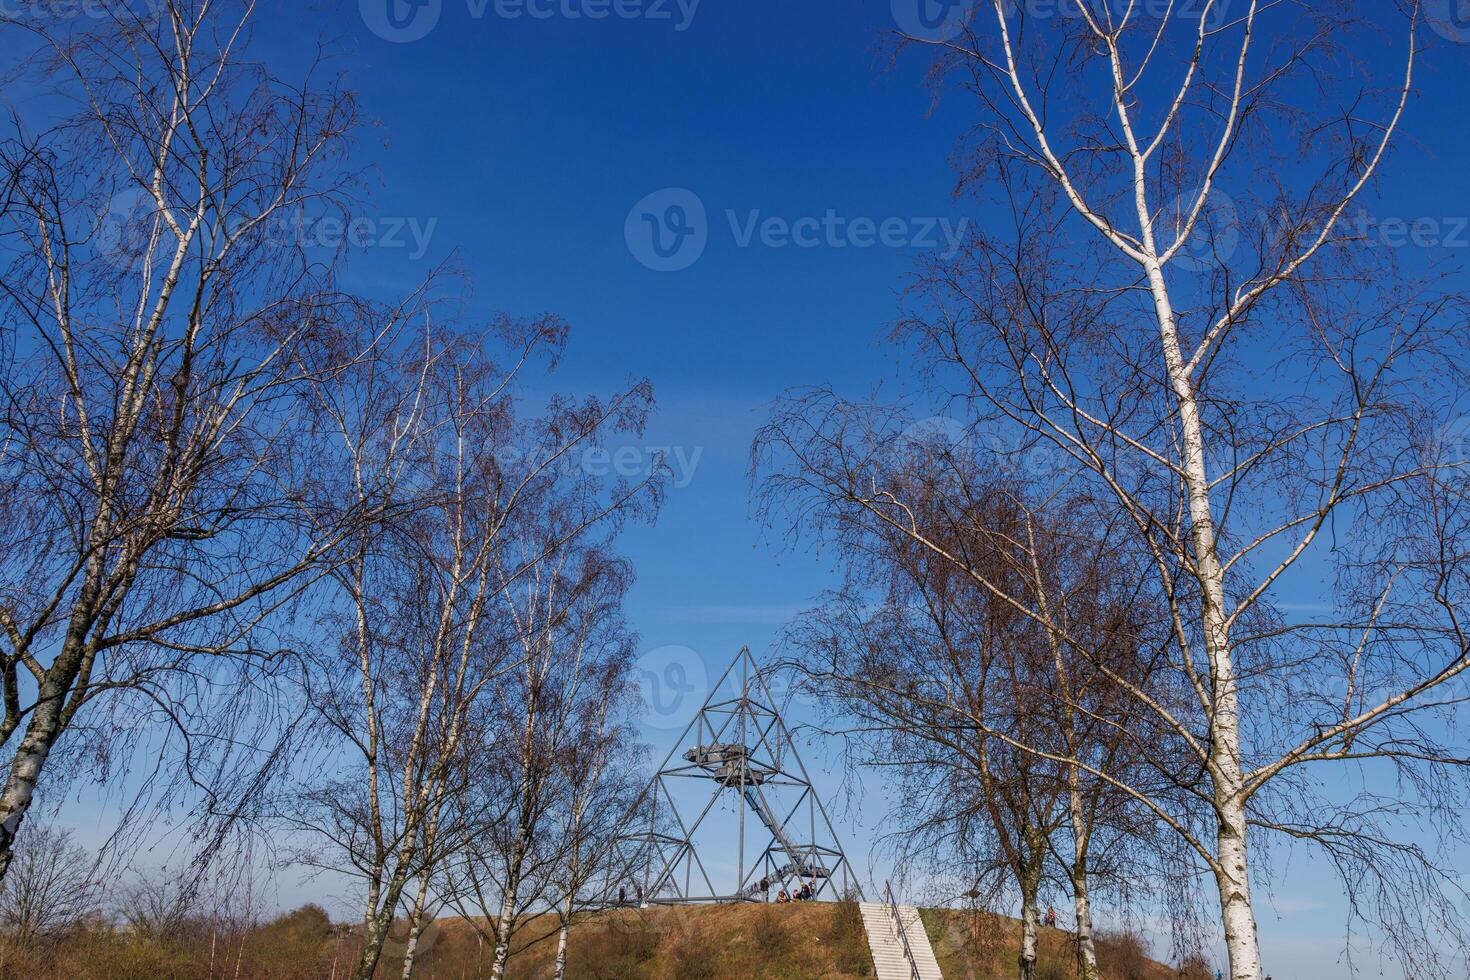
(1232, 873)
(504, 926)
(1082, 840)
(45, 724)
(1233, 880)
(377, 922)
(1030, 922)
(561, 939)
(415, 925)
(25, 769)
(1086, 944)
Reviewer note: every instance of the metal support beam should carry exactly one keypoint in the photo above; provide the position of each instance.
(741, 749)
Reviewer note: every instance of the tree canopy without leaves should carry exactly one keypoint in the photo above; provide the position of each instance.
(1258, 405)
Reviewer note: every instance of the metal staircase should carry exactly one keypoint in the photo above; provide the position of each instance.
(898, 941)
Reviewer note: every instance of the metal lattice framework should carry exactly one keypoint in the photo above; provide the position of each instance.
(739, 747)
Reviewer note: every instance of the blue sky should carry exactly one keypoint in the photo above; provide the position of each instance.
(519, 145)
(531, 141)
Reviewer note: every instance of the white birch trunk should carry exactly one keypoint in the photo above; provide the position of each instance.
(1232, 857)
(561, 940)
(1030, 928)
(1086, 944)
(502, 935)
(415, 926)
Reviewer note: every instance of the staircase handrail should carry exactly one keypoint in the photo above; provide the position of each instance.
(903, 934)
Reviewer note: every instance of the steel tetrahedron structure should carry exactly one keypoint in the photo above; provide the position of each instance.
(733, 786)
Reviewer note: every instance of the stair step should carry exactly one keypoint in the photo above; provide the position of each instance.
(889, 960)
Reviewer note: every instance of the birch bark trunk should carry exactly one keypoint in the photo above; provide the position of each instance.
(561, 939)
(1082, 837)
(415, 925)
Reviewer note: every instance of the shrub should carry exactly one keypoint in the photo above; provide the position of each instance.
(849, 938)
(692, 959)
(1123, 956)
(770, 934)
(1194, 967)
(618, 952)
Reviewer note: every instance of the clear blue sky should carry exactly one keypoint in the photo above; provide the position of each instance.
(525, 142)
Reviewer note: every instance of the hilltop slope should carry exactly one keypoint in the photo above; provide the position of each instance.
(762, 942)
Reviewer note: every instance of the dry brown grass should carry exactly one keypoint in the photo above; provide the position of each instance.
(709, 942)
(981, 946)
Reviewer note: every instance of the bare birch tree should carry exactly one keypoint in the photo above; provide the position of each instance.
(1259, 404)
(475, 499)
(599, 779)
(53, 885)
(572, 647)
(939, 665)
(153, 316)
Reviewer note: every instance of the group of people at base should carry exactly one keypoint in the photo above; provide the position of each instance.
(805, 893)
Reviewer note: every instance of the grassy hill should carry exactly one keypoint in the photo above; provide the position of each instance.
(708, 942)
(773, 942)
